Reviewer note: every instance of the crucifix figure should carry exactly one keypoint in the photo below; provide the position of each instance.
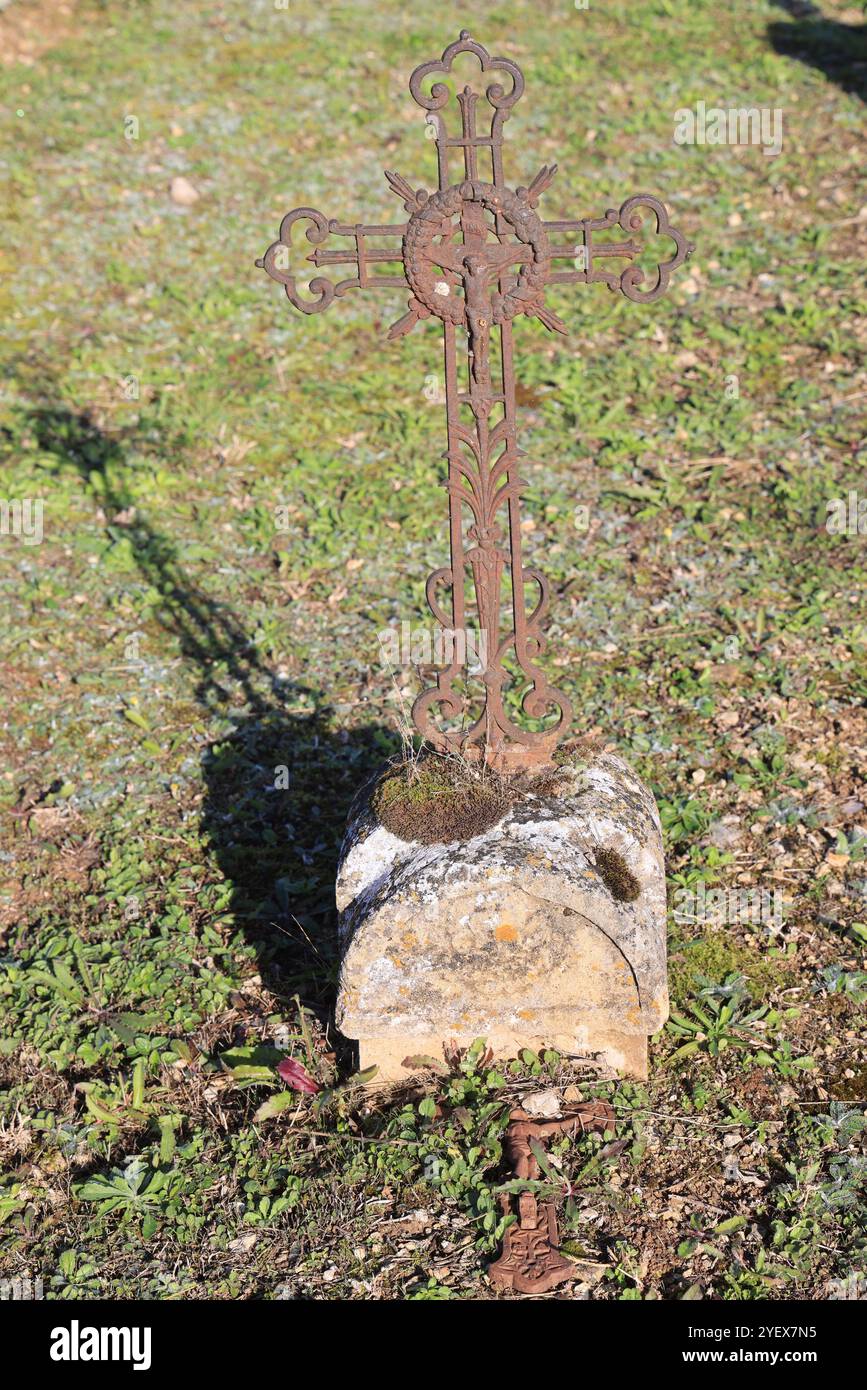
(475, 255)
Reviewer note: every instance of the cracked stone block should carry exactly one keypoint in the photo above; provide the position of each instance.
(520, 935)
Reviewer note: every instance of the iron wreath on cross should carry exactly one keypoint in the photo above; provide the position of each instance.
(475, 255)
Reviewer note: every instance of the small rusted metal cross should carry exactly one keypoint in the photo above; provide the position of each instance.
(476, 255)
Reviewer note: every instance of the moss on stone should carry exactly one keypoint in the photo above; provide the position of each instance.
(435, 801)
(617, 875)
(578, 752)
(441, 798)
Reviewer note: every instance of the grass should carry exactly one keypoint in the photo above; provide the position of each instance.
(192, 685)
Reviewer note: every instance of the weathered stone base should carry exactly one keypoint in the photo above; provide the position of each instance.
(520, 935)
(620, 1052)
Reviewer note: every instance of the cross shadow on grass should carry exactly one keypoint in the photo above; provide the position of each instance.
(839, 50)
(276, 845)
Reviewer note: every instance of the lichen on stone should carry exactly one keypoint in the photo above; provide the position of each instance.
(617, 875)
(510, 934)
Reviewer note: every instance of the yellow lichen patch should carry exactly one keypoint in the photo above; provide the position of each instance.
(506, 932)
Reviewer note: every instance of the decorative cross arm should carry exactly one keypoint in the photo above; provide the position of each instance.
(276, 259)
(476, 255)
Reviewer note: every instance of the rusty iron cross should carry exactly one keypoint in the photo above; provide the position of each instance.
(531, 1261)
(476, 255)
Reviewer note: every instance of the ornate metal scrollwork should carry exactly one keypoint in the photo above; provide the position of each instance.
(276, 260)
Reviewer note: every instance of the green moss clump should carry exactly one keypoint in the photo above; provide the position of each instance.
(438, 800)
(441, 799)
(617, 876)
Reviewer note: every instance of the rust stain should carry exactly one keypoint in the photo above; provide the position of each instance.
(506, 932)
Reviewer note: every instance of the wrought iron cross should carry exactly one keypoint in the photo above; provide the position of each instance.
(476, 255)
